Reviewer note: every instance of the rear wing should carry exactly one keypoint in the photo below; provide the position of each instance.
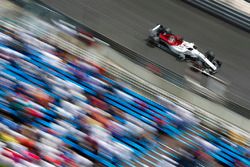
(157, 27)
(154, 31)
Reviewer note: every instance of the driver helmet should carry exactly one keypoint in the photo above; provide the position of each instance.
(171, 38)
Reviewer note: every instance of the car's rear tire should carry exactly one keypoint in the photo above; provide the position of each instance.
(151, 42)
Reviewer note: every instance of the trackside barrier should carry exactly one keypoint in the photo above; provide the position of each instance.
(225, 12)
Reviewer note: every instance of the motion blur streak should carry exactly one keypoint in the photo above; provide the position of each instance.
(128, 22)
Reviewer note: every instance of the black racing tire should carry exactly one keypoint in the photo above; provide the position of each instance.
(210, 55)
(212, 72)
(150, 42)
(217, 64)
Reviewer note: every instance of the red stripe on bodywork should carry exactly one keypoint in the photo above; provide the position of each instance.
(166, 38)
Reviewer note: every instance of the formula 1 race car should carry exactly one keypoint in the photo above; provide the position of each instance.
(163, 38)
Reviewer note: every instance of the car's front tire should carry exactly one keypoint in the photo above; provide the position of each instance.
(217, 64)
(212, 72)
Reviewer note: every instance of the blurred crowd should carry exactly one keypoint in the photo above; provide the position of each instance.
(53, 103)
(50, 107)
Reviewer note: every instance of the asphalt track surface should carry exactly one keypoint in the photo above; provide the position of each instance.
(128, 21)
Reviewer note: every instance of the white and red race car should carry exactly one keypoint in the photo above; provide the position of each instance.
(163, 38)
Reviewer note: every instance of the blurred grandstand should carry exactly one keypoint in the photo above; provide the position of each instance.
(61, 107)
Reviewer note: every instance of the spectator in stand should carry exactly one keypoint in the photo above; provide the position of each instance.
(19, 89)
(6, 84)
(124, 96)
(90, 141)
(42, 98)
(167, 162)
(5, 136)
(141, 105)
(45, 79)
(177, 121)
(80, 75)
(205, 145)
(186, 158)
(238, 163)
(13, 62)
(116, 113)
(161, 125)
(83, 125)
(117, 129)
(98, 102)
(70, 106)
(133, 130)
(202, 158)
(87, 68)
(5, 39)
